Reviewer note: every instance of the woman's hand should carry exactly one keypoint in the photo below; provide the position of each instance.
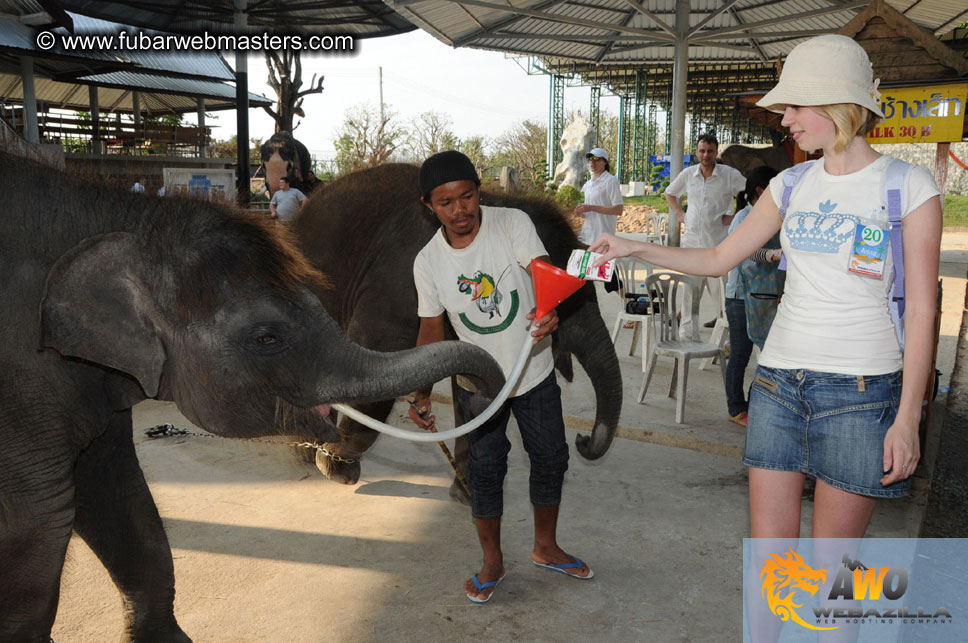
(610, 247)
(902, 450)
(544, 326)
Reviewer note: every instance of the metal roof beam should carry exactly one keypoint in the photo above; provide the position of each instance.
(721, 45)
(716, 33)
(608, 46)
(500, 24)
(698, 27)
(551, 17)
(651, 16)
(755, 45)
(583, 38)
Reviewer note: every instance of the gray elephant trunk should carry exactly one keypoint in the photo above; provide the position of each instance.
(369, 376)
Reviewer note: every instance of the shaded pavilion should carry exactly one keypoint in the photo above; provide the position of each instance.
(678, 55)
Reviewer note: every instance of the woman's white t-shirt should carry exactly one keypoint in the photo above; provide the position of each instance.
(829, 319)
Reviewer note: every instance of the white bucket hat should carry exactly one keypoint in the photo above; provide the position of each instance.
(825, 70)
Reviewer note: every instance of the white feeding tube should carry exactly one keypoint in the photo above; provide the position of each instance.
(463, 429)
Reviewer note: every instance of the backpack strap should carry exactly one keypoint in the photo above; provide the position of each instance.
(790, 179)
(893, 191)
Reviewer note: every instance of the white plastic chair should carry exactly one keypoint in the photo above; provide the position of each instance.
(666, 328)
(632, 273)
(658, 226)
(720, 334)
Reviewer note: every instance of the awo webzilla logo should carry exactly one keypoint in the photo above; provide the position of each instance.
(788, 583)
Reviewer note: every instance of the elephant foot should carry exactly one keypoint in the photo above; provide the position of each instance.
(458, 493)
(336, 470)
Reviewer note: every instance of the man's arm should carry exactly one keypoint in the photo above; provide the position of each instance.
(613, 210)
(674, 206)
(431, 331)
(272, 208)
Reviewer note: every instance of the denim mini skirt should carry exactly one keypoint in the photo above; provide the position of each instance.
(827, 425)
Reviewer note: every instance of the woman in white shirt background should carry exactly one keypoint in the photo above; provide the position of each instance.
(603, 199)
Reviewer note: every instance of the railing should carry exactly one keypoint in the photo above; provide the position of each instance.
(75, 134)
(12, 141)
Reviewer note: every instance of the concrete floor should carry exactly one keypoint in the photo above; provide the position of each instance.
(267, 550)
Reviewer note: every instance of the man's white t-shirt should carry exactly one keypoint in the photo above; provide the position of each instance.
(709, 200)
(485, 290)
(601, 191)
(831, 320)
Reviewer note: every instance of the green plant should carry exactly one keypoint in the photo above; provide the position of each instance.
(568, 197)
(955, 211)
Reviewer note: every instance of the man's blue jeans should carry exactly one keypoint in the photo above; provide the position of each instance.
(542, 427)
(740, 349)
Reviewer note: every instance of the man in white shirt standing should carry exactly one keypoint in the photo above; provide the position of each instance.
(603, 199)
(712, 188)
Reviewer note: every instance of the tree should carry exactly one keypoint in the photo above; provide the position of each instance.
(523, 147)
(366, 138)
(228, 148)
(430, 133)
(474, 148)
(285, 78)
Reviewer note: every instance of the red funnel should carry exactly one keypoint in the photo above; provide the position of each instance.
(551, 286)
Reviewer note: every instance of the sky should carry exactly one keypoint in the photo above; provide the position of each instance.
(482, 92)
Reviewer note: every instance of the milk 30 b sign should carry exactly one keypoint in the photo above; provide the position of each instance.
(932, 114)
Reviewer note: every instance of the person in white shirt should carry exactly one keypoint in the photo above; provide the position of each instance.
(139, 185)
(603, 199)
(833, 397)
(712, 188)
(474, 272)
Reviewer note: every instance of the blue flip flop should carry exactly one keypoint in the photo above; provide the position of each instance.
(563, 567)
(481, 587)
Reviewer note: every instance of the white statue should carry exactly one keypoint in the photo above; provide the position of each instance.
(576, 140)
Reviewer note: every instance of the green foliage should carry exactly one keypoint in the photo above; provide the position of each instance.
(568, 197)
(955, 211)
(523, 147)
(656, 201)
(366, 138)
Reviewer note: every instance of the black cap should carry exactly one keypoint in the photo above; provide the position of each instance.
(445, 167)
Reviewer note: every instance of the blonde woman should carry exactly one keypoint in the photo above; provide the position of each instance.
(828, 398)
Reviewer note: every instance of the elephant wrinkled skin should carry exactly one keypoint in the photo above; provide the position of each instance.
(364, 231)
(110, 297)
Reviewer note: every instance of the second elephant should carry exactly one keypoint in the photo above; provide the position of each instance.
(364, 231)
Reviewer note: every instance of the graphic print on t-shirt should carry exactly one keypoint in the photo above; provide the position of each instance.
(486, 293)
(823, 231)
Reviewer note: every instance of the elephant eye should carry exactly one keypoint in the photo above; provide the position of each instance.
(266, 339)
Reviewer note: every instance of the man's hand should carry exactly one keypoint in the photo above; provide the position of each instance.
(581, 209)
(544, 326)
(420, 412)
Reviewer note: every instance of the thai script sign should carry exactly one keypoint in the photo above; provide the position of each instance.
(932, 114)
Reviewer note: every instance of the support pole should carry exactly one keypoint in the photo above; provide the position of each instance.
(594, 109)
(680, 76)
(242, 108)
(31, 131)
(203, 141)
(620, 152)
(95, 119)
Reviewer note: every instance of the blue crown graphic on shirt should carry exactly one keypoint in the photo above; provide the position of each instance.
(819, 232)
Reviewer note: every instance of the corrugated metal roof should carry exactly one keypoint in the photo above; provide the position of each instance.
(629, 32)
(159, 94)
(360, 18)
(18, 39)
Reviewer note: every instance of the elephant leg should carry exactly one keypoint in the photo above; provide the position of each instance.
(36, 515)
(116, 516)
(343, 463)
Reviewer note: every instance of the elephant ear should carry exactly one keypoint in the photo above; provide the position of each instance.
(97, 308)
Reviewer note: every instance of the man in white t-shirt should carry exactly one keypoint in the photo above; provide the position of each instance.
(603, 199)
(712, 188)
(286, 201)
(475, 272)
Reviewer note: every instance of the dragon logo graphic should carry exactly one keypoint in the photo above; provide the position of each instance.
(786, 575)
